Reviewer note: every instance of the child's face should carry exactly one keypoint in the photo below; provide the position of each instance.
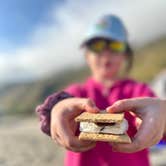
(106, 64)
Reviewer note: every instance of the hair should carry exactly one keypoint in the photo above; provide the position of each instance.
(130, 57)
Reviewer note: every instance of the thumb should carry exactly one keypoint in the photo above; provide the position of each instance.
(89, 106)
(124, 105)
(82, 104)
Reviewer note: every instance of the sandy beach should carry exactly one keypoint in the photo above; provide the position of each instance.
(23, 144)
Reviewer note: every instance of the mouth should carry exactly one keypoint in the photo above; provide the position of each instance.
(106, 65)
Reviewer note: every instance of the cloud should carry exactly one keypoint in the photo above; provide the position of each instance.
(55, 46)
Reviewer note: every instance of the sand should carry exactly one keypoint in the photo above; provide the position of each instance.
(23, 144)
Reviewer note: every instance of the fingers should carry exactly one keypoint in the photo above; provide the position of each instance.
(88, 105)
(80, 146)
(129, 104)
(135, 146)
(63, 126)
(132, 104)
(70, 108)
(86, 147)
(54, 134)
(74, 144)
(69, 140)
(122, 105)
(78, 104)
(57, 139)
(73, 107)
(152, 126)
(145, 137)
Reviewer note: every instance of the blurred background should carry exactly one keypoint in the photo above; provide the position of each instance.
(39, 54)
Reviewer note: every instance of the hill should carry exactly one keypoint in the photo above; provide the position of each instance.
(23, 98)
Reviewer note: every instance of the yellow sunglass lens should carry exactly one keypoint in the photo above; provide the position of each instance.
(98, 46)
(117, 46)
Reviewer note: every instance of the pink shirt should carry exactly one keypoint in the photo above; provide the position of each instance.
(102, 154)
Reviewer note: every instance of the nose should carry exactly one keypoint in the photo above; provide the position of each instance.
(106, 55)
(105, 58)
(106, 52)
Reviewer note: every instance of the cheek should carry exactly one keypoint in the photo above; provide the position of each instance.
(111, 64)
(95, 65)
(118, 61)
(116, 64)
(93, 62)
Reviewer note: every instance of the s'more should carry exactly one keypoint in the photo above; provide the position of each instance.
(108, 127)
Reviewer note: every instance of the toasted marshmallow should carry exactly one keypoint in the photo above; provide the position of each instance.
(114, 128)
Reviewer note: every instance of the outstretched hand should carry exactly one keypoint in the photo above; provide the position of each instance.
(152, 112)
(63, 126)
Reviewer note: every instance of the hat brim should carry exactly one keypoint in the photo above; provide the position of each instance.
(107, 36)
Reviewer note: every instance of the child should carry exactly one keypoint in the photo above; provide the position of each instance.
(106, 51)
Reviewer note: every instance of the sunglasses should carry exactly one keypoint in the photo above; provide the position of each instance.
(101, 44)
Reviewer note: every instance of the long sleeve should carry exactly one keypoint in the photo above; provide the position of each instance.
(143, 90)
(44, 110)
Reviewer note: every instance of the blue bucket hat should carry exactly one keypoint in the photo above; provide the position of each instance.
(109, 27)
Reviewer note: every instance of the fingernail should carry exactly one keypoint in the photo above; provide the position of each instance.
(97, 109)
(109, 110)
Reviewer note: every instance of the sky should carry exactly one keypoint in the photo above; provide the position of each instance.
(19, 18)
(40, 37)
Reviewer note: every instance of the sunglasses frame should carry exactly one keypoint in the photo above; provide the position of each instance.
(89, 45)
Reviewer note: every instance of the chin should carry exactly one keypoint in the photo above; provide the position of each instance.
(106, 75)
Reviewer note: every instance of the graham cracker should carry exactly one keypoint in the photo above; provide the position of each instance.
(124, 138)
(100, 117)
